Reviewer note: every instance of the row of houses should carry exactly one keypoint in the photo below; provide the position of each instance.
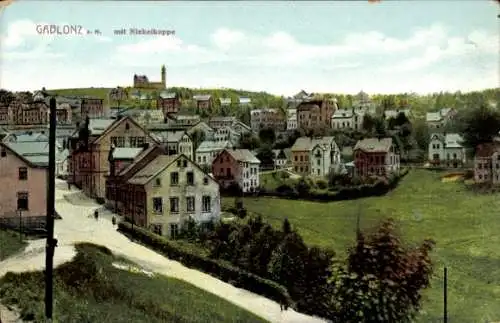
(33, 111)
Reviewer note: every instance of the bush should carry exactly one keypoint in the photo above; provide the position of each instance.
(100, 200)
(322, 184)
(219, 269)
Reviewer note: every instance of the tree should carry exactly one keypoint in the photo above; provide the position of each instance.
(6, 97)
(287, 265)
(267, 135)
(421, 134)
(266, 156)
(368, 123)
(249, 141)
(383, 279)
(478, 125)
(197, 137)
(259, 250)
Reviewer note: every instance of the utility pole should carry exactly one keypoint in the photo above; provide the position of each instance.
(51, 242)
(445, 295)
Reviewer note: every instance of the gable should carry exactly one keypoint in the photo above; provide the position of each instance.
(120, 127)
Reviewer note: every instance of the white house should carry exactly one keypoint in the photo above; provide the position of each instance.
(446, 149)
(324, 156)
(280, 158)
(440, 118)
(209, 149)
(227, 134)
(291, 123)
(348, 119)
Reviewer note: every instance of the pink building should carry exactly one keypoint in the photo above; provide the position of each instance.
(237, 166)
(23, 174)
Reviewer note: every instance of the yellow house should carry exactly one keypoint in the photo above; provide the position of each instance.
(176, 189)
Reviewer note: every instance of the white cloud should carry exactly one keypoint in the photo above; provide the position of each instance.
(281, 63)
(27, 40)
(225, 38)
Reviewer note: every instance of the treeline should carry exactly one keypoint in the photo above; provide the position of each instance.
(380, 280)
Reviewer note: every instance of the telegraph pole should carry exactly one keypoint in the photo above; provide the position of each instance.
(51, 242)
(445, 296)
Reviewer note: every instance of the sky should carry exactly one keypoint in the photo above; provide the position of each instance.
(273, 46)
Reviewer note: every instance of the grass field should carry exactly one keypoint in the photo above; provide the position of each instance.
(465, 226)
(9, 243)
(90, 289)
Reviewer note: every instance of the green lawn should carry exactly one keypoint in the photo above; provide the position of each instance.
(90, 289)
(465, 225)
(9, 243)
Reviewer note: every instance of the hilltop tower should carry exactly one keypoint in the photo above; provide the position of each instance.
(164, 76)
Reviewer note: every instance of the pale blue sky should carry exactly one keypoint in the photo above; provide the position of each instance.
(280, 47)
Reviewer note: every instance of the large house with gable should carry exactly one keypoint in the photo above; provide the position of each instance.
(90, 148)
(447, 149)
(375, 157)
(316, 156)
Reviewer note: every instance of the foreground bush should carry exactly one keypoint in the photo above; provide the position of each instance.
(219, 269)
(90, 289)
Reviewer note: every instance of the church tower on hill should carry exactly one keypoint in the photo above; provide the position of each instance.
(164, 76)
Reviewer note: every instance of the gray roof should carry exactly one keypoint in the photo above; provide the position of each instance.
(126, 152)
(374, 145)
(168, 95)
(202, 97)
(36, 152)
(169, 136)
(209, 145)
(221, 119)
(98, 126)
(433, 116)
(225, 101)
(27, 137)
(342, 113)
(451, 140)
(395, 113)
(244, 100)
(243, 155)
(152, 169)
(307, 143)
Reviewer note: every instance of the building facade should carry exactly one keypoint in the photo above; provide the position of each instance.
(169, 191)
(92, 108)
(142, 81)
(315, 113)
(168, 102)
(209, 149)
(376, 157)
(24, 187)
(238, 166)
(445, 149)
(487, 163)
(267, 119)
(315, 156)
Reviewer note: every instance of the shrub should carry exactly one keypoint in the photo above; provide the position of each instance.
(100, 200)
(219, 269)
(322, 184)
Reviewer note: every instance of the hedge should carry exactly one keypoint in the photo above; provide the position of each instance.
(347, 193)
(219, 269)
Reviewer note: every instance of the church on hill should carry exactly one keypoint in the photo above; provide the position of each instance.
(142, 81)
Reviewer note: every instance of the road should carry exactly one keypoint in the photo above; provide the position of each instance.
(77, 226)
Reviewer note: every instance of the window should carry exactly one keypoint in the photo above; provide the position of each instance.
(174, 230)
(301, 158)
(190, 203)
(114, 141)
(179, 163)
(190, 178)
(199, 159)
(174, 178)
(205, 181)
(22, 201)
(141, 141)
(120, 142)
(204, 159)
(158, 205)
(127, 126)
(184, 163)
(174, 205)
(206, 204)
(158, 182)
(319, 162)
(3, 153)
(295, 158)
(23, 173)
(132, 141)
(157, 229)
(306, 169)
